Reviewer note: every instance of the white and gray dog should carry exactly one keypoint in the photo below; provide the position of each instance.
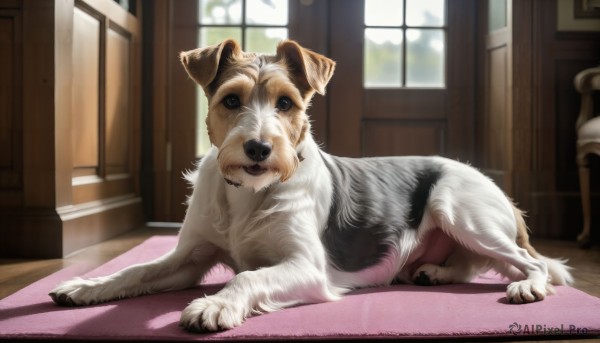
(300, 226)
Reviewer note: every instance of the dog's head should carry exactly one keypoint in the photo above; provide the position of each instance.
(257, 107)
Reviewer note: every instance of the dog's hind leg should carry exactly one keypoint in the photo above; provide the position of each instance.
(490, 229)
(471, 209)
(494, 244)
(460, 267)
(181, 268)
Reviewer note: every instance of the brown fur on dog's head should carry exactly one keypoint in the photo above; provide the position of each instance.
(310, 70)
(259, 82)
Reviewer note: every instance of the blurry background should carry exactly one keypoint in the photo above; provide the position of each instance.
(98, 119)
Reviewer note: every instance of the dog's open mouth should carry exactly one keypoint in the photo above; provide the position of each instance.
(255, 170)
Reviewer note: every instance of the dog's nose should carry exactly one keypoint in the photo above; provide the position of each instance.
(257, 150)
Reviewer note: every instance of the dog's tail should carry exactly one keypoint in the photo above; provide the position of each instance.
(557, 268)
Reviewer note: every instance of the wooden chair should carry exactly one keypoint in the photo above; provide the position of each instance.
(588, 142)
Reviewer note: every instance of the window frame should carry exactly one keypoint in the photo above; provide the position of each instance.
(403, 66)
(243, 25)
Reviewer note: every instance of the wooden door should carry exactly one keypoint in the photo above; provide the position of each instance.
(403, 118)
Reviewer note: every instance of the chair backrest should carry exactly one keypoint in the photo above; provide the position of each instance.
(586, 82)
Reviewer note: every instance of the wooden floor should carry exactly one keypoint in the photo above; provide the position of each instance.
(16, 274)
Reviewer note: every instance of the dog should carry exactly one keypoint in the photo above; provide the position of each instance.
(300, 226)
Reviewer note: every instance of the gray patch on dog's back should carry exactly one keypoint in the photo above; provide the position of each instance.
(426, 180)
(374, 201)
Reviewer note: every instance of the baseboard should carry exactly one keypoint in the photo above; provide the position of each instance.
(91, 223)
(49, 233)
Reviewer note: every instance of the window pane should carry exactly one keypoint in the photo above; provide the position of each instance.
(496, 15)
(220, 12)
(264, 40)
(383, 58)
(425, 51)
(383, 12)
(425, 13)
(267, 12)
(214, 35)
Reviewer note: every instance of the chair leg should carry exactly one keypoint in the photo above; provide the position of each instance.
(584, 185)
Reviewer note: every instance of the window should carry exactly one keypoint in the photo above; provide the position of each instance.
(405, 43)
(258, 25)
(129, 5)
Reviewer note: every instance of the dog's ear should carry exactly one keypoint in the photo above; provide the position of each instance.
(203, 64)
(313, 69)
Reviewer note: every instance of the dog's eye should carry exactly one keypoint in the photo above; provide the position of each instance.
(232, 102)
(284, 103)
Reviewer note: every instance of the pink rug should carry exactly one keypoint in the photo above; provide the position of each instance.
(473, 310)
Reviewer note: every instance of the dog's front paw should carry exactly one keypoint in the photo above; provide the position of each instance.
(212, 313)
(526, 291)
(76, 292)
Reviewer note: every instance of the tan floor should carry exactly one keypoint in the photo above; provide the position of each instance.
(17, 273)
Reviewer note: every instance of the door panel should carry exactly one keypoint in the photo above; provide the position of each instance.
(11, 127)
(408, 103)
(118, 100)
(382, 138)
(86, 93)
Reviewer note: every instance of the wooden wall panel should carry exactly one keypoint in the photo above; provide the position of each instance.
(7, 110)
(39, 116)
(155, 162)
(389, 138)
(11, 129)
(536, 153)
(118, 96)
(112, 190)
(29, 225)
(86, 92)
(461, 98)
(555, 200)
(56, 63)
(405, 104)
(495, 137)
(497, 130)
(86, 190)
